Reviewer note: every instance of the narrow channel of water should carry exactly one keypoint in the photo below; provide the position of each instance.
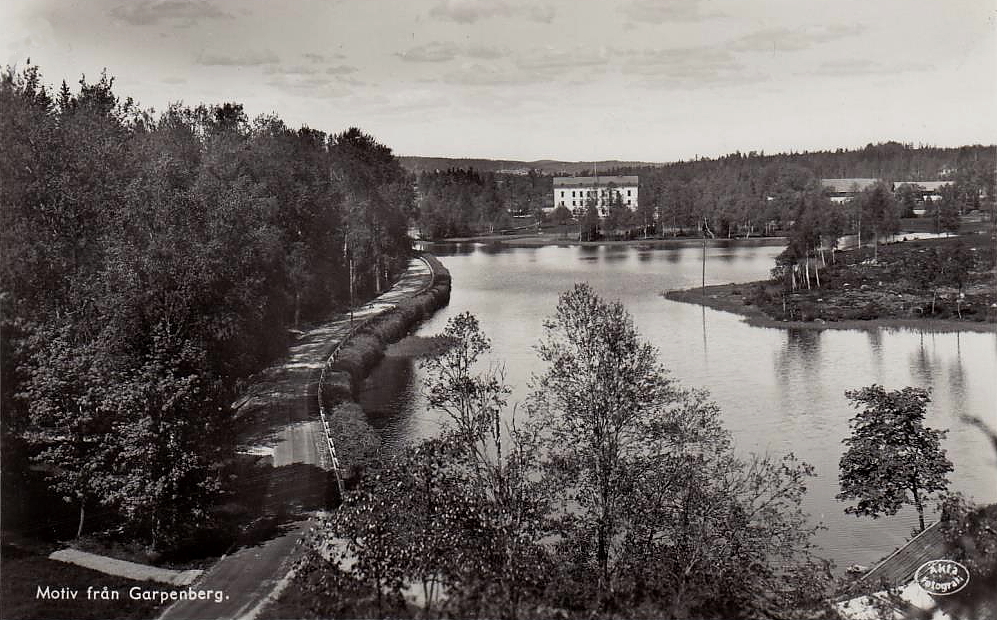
(780, 390)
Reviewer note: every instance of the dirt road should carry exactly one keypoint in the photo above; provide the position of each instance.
(279, 420)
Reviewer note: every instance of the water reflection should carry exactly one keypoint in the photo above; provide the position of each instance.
(387, 397)
(923, 364)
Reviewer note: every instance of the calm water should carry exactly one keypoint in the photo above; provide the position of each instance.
(780, 390)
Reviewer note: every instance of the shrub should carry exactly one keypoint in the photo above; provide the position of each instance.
(868, 312)
(356, 440)
(358, 355)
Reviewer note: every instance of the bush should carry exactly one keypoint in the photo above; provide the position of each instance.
(357, 442)
(358, 355)
(807, 310)
(868, 312)
(337, 387)
(759, 295)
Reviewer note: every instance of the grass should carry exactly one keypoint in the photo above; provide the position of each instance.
(356, 440)
(24, 572)
(328, 592)
(855, 292)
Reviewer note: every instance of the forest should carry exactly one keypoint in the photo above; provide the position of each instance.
(733, 195)
(150, 264)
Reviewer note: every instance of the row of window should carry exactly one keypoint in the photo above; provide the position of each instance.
(589, 193)
(581, 203)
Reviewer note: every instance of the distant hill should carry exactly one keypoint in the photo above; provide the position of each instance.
(548, 166)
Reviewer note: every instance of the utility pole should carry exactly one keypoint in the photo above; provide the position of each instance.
(705, 230)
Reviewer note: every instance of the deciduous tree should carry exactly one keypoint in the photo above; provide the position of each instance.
(892, 458)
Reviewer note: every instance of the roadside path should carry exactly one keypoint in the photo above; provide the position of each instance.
(279, 419)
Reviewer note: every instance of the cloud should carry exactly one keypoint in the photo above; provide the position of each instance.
(341, 70)
(408, 101)
(485, 52)
(438, 51)
(471, 11)
(275, 69)
(245, 59)
(662, 11)
(786, 40)
(174, 80)
(320, 58)
(430, 52)
(314, 87)
(862, 66)
(553, 60)
(689, 67)
(184, 13)
(541, 13)
(479, 74)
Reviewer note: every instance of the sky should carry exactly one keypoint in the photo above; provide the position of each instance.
(650, 80)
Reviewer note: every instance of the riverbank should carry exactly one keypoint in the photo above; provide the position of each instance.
(352, 440)
(731, 298)
(555, 239)
(893, 292)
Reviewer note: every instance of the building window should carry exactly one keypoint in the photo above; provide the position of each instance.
(628, 192)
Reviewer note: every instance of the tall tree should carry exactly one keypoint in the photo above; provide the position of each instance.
(879, 213)
(892, 458)
(589, 228)
(501, 464)
(610, 414)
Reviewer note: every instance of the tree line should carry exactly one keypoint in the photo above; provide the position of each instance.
(150, 263)
(739, 194)
(457, 202)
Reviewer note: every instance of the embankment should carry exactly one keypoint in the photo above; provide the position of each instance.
(352, 440)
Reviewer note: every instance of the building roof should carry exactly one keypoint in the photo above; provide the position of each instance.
(900, 566)
(847, 186)
(595, 181)
(928, 186)
(897, 571)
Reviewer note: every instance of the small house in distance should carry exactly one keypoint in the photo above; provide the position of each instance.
(843, 190)
(574, 193)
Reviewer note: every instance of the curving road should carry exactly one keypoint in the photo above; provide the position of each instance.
(278, 420)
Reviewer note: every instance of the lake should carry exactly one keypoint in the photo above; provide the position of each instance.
(780, 390)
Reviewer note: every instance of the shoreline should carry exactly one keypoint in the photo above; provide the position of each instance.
(722, 297)
(534, 240)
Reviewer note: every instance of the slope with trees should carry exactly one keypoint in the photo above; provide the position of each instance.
(150, 263)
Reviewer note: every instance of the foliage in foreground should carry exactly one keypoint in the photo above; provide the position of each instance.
(892, 458)
(620, 495)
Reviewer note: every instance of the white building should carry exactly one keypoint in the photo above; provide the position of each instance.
(575, 193)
